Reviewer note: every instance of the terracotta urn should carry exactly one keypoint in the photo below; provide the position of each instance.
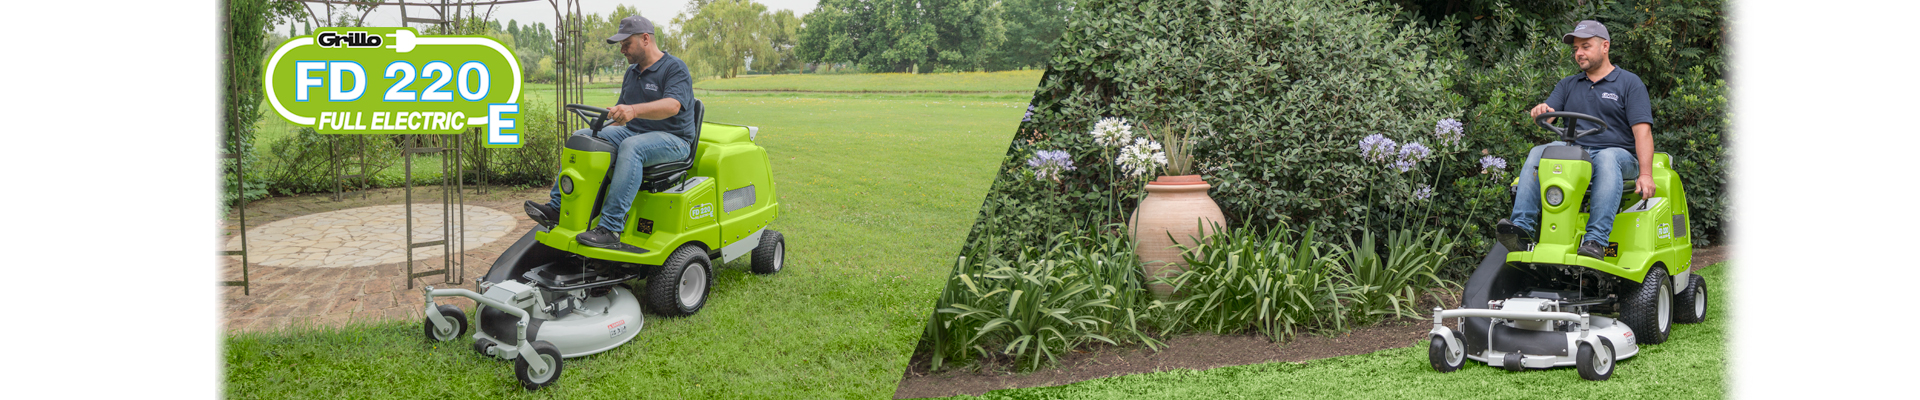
(1176, 206)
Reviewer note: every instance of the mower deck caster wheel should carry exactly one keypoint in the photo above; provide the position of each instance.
(680, 288)
(1595, 364)
(1512, 362)
(1445, 358)
(459, 324)
(534, 380)
(1690, 305)
(772, 253)
(481, 346)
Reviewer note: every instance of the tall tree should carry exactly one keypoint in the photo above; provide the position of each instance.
(721, 35)
(905, 35)
(783, 31)
(1032, 28)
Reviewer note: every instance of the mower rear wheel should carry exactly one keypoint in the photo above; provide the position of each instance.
(772, 253)
(1690, 306)
(1445, 358)
(1648, 310)
(1595, 364)
(458, 318)
(534, 380)
(680, 288)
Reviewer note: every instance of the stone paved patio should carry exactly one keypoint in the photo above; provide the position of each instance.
(319, 262)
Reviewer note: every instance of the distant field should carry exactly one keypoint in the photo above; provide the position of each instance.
(1004, 81)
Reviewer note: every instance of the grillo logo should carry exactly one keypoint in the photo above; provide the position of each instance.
(348, 39)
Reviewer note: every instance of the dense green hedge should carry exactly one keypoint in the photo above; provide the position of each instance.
(1285, 91)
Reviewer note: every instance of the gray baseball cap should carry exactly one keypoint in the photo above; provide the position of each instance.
(633, 25)
(1585, 29)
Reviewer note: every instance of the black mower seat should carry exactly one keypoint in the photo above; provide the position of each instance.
(660, 177)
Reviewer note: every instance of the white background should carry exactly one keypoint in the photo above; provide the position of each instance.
(111, 124)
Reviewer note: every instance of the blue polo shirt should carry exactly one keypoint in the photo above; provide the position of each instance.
(666, 78)
(1619, 98)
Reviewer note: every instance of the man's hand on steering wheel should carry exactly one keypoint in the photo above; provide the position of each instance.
(622, 113)
(1541, 108)
(1644, 185)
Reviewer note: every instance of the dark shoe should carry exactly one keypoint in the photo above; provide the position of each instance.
(1513, 237)
(599, 237)
(542, 214)
(1595, 250)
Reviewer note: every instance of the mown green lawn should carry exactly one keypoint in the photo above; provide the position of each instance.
(878, 191)
(1692, 364)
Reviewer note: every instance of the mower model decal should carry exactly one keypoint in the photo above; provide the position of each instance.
(1666, 231)
(704, 210)
(360, 80)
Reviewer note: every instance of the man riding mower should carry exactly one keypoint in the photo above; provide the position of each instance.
(1531, 302)
(549, 297)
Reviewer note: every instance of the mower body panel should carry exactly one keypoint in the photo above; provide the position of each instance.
(728, 196)
(1649, 232)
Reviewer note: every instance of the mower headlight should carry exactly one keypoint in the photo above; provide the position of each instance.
(566, 184)
(1554, 196)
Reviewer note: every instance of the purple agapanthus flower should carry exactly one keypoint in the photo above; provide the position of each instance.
(1410, 155)
(1491, 164)
(1029, 117)
(1424, 192)
(1376, 147)
(1049, 164)
(1449, 131)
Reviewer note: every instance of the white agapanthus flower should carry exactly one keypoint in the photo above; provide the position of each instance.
(1112, 132)
(1141, 157)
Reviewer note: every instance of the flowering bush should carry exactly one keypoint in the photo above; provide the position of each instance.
(1047, 165)
(1493, 165)
(1141, 157)
(1410, 155)
(1449, 131)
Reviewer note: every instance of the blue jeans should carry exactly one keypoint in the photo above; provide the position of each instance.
(633, 154)
(1610, 166)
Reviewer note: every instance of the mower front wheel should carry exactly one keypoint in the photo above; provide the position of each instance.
(680, 288)
(534, 380)
(772, 253)
(1595, 364)
(1445, 358)
(441, 335)
(1649, 307)
(1690, 306)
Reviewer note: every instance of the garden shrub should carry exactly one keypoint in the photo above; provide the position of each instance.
(1077, 288)
(1279, 92)
(1040, 302)
(1276, 284)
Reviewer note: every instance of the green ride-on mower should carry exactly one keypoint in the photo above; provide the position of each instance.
(1535, 307)
(548, 297)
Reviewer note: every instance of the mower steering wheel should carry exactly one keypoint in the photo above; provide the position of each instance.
(1571, 128)
(595, 117)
